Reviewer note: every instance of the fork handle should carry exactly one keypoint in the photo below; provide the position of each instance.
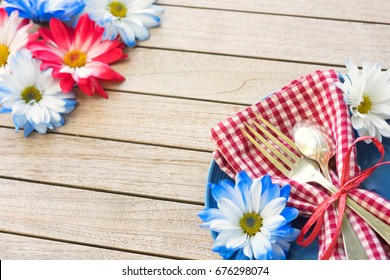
(379, 226)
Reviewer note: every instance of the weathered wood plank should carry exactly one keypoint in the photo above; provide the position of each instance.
(147, 119)
(105, 165)
(207, 77)
(17, 247)
(362, 10)
(271, 36)
(110, 220)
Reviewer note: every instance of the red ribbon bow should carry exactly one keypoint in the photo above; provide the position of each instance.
(346, 184)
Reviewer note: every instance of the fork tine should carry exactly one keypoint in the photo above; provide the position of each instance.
(275, 140)
(275, 151)
(272, 159)
(277, 131)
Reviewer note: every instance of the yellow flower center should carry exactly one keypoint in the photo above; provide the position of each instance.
(31, 93)
(251, 223)
(75, 59)
(4, 53)
(365, 106)
(117, 9)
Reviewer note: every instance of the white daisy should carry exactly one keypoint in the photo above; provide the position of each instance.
(128, 18)
(367, 92)
(33, 97)
(14, 36)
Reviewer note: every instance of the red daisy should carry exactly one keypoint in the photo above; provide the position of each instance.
(78, 55)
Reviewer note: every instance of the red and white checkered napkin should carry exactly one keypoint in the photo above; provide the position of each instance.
(313, 97)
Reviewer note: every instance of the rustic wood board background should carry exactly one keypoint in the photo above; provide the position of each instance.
(125, 177)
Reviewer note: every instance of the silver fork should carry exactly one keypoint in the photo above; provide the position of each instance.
(302, 169)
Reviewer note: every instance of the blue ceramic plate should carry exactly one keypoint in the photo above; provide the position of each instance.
(367, 155)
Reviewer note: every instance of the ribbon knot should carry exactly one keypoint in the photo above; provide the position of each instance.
(340, 196)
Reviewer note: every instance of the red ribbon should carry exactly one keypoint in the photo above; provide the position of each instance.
(346, 184)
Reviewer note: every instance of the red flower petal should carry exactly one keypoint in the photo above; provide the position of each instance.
(110, 56)
(117, 77)
(67, 84)
(61, 33)
(3, 17)
(87, 33)
(85, 86)
(98, 88)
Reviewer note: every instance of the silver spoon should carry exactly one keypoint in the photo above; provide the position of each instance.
(314, 142)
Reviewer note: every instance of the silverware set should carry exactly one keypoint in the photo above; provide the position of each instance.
(288, 158)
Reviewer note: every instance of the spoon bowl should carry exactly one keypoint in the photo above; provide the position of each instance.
(314, 142)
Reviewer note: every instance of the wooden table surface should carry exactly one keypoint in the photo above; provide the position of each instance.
(125, 177)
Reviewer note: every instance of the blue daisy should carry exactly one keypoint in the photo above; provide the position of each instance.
(252, 220)
(44, 10)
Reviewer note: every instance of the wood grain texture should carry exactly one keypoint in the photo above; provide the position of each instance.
(17, 247)
(362, 10)
(105, 165)
(110, 220)
(147, 119)
(206, 77)
(270, 36)
(125, 177)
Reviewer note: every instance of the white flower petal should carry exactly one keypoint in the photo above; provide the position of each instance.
(19, 107)
(236, 239)
(9, 101)
(259, 246)
(255, 191)
(273, 222)
(34, 113)
(82, 72)
(224, 236)
(53, 103)
(274, 207)
(223, 224)
(248, 248)
(230, 210)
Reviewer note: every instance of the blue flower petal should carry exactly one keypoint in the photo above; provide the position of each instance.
(243, 177)
(5, 110)
(285, 191)
(210, 214)
(41, 11)
(244, 183)
(28, 128)
(224, 252)
(222, 191)
(292, 235)
(127, 36)
(60, 123)
(277, 252)
(19, 121)
(282, 231)
(269, 192)
(289, 213)
(239, 255)
(41, 128)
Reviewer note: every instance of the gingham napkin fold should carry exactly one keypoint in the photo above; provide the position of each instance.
(314, 97)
